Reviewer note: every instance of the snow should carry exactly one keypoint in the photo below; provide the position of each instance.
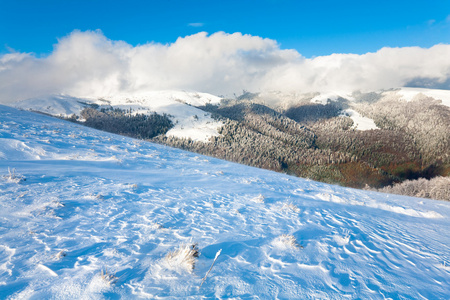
(360, 122)
(325, 98)
(409, 94)
(405, 93)
(56, 105)
(190, 122)
(98, 214)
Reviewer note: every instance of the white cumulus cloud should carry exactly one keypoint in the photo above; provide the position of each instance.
(88, 64)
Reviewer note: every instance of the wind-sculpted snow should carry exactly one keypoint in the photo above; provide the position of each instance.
(98, 214)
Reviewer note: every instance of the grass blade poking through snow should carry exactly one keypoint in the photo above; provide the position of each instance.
(183, 258)
(13, 176)
(215, 258)
(108, 278)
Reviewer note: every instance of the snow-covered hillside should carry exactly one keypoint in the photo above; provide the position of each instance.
(409, 94)
(190, 122)
(83, 203)
(360, 122)
(194, 123)
(404, 93)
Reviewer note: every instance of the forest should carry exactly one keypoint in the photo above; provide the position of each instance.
(411, 145)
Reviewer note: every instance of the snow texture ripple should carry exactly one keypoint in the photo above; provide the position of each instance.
(96, 215)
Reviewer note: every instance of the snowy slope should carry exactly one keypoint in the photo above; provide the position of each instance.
(56, 105)
(360, 122)
(190, 122)
(94, 201)
(404, 93)
(409, 94)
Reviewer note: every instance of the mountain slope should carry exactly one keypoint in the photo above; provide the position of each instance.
(190, 122)
(95, 204)
(376, 140)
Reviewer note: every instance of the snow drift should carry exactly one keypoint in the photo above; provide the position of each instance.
(104, 216)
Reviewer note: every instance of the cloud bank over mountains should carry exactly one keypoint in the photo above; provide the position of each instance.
(88, 64)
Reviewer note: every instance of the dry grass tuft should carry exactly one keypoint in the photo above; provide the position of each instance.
(108, 277)
(13, 176)
(157, 226)
(184, 257)
(61, 254)
(259, 199)
(286, 241)
(290, 206)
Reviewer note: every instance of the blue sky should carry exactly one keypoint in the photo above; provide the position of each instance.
(313, 28)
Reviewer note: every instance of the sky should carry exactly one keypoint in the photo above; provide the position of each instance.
(97, 47)
(313, 28)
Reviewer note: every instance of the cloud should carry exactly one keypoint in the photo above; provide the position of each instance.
(196, 24)
(87, 64)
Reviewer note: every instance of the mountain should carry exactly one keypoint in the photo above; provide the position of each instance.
(189, 121)
(376, 140)
(86, 214)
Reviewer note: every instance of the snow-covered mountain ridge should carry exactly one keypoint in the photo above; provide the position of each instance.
(94, 201)
(389, 136)
(190, 122)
